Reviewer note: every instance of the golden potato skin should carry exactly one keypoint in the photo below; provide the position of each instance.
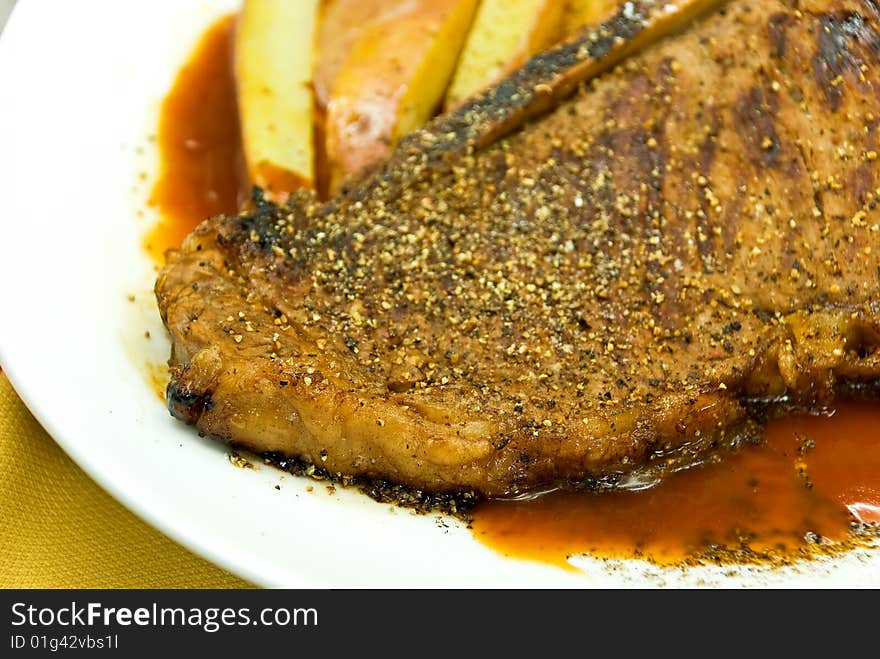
(340, 25)
(392, 81)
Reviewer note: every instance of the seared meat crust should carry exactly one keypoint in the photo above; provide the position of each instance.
(610, 285)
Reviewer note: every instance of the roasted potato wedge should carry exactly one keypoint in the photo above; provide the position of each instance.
(274, 53)
(341, 24)
(392, 80)
(504, 35)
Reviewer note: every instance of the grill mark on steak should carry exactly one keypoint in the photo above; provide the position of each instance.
(837, 32)
(777, 26)
(755, 114)
(610, 287)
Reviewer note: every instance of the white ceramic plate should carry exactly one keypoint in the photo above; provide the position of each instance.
(81, 85)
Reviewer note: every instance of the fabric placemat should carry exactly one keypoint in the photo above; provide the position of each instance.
(59, 529)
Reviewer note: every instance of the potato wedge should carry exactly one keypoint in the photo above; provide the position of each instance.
(587, 12)
(392, 81)
(341, 23)
(505, 34)
(273, 65)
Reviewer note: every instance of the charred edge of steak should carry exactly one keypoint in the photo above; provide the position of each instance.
(458, 505)
(659, 466)
(188, 406)
(185, 404)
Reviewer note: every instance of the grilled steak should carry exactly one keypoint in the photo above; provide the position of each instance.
(607, 286)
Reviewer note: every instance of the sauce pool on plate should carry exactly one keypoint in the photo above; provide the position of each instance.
(201, 167)
(807, 486)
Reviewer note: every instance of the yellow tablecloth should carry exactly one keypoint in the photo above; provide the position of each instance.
(58, 529)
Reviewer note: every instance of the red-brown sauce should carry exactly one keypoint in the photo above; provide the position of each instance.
(201, 170)
(807, 484)
(813, 477)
